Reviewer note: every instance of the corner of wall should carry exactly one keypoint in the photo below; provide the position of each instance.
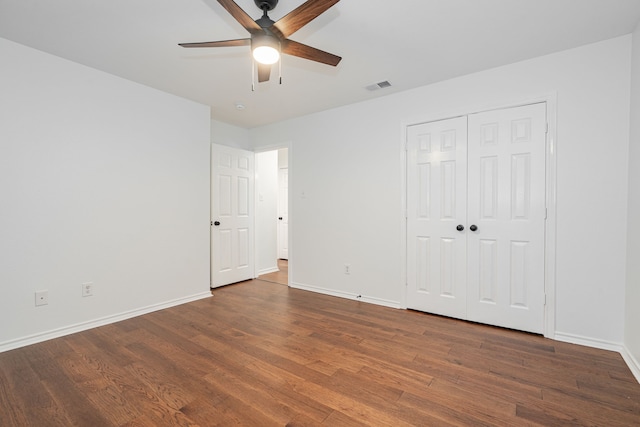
(230, 135)
(632, 289)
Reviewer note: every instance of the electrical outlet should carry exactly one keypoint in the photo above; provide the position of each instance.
(87, 289)
(347, 269)
(42, 298)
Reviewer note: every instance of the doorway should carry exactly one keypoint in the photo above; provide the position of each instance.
(281, 276)
(272, 215)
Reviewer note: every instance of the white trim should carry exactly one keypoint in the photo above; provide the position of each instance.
(210, 215)
(588, 342)
(291, 219)
(550, 226)
(346, 295)
(404, 279)
(551, 191)
(631, 361)
(267, 271)
(83, 326)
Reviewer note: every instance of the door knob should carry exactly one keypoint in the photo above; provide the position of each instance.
(460, 227)
(216, 223)
(280, 218)
(473, 227)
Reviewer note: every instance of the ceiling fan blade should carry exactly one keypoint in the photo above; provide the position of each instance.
(221, 43)
(240, 15)
(302, 15)
(264, 72)
(300, 50)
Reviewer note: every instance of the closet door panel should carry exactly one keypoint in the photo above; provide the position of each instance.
(436, 205)
(506, 202)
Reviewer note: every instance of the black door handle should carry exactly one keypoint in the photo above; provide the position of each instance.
(280, 218)
(216, 223)
(460, 227)
(473, 227)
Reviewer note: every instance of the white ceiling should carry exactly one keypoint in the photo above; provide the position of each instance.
(410, 43)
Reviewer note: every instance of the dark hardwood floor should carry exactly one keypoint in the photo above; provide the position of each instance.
(261, 354)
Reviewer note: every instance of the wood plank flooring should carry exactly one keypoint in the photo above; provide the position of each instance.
(261, 354)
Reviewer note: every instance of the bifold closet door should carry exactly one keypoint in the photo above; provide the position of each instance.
(476, 217)
(506, 202)
(436, 206)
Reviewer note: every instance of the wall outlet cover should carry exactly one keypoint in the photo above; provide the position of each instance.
(87, 289)
(42, 298)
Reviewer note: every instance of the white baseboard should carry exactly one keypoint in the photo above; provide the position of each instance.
(267, 271)
(588, 342)
(347, 295)
(632, 362)
(83, 326)
(628, 358)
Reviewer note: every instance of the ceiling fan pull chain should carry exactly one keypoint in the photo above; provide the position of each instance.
(280, 62)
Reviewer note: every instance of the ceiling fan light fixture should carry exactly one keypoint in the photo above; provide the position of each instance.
(266, 49)
(269, 39)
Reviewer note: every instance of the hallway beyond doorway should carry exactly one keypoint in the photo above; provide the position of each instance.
(281, 277)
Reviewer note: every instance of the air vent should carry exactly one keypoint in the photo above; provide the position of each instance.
(379, 85)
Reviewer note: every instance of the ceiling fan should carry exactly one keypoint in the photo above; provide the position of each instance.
(269, 38)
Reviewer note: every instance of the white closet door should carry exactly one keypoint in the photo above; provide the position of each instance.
(436, 203)
(506, 202)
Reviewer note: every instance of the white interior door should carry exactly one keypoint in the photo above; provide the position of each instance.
(506, 202)
(232, 215)
(283, 213)
(436, 205)
(488, 179)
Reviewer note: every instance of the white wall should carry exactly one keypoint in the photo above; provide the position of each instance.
(347, 181)
(266, 211)
(632, 318)
(229, 135)
(101, 180)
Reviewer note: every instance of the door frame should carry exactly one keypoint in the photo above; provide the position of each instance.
(280, 223)
(550, 99)
(289, 146)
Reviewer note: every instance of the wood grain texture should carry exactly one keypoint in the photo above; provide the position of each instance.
(241, 16)
(302, 15)
(300, 50)
(221, 43)
(261, 354)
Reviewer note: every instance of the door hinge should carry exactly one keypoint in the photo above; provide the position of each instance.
(546, 213)
(546, 128)
(545, 299)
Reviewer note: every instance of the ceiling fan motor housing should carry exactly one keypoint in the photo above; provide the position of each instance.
(266, 4)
